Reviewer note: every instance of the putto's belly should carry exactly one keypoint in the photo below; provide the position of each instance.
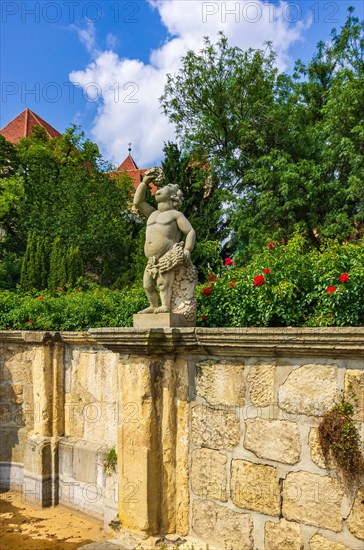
(157, 248)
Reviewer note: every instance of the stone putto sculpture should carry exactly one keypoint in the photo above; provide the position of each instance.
(169, 266)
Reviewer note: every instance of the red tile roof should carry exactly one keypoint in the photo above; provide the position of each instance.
(21, 126)
(130, 167)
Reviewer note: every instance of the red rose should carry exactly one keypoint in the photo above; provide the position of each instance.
(330, 289)
(30, 321)
(266, 270)
(203, 317)
(271, 244)
(228, 262)
(206, 291)
(211, 275)
(59, 288)
(232, 285)
(259, 280)
(41, 298)
(344, 277)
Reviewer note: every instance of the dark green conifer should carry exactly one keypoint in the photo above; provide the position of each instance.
(57, 268)
(74, 266)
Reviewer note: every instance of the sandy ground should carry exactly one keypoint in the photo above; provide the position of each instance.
(25, 528)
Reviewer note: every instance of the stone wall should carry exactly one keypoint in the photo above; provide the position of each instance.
(256, 468)
(215, 430)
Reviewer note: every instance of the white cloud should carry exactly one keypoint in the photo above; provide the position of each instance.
(111, 41)
(129, 108)
(87, 37)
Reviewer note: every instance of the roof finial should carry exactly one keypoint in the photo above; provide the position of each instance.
(129, 148)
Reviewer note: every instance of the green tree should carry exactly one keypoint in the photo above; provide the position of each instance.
(62, 188)
(202, 203)
(288, 147)
(29, 272)
(42, 262)
(57, 267)
(220, 103)
(74, 266)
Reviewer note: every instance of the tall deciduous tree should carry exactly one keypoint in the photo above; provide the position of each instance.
(288, 147)
(203, 201)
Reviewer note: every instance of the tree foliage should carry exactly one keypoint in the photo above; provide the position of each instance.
(61, 188)
(289, 148)
(203, 201)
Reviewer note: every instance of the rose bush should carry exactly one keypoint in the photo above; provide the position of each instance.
(290, 285)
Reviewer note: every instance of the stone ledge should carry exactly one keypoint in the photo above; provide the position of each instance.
(328, 341)
(154, 341)
(267, 342)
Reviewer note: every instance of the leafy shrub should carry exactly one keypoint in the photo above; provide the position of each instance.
(75, 310)
(288, 286)
(10, 266)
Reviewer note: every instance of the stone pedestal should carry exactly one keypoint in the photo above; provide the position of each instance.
(160, 320)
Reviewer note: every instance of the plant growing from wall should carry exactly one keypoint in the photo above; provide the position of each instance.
(339, 440)
(111, 461)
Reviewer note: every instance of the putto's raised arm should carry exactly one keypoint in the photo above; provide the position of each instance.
(139, 197)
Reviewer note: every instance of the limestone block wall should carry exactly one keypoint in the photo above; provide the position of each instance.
(59, 414)
(16, 406)
(257, 477)
(215, 430)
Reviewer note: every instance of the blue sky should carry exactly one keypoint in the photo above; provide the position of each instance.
(102, 64)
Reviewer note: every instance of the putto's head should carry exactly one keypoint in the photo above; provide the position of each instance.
(176, 195)
(170, 192)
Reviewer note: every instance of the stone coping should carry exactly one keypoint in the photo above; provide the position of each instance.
(328, 341)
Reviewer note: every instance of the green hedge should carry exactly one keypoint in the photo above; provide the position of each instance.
(282, 286)
(73, 310)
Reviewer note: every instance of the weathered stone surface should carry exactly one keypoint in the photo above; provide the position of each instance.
(6, 413)
(160, 320)
(42, 390)
(208, 473)
(38, 455)
(354, 384)
(17, 364)
(84, 461)
(320, 543)
(284, 535)
(182, 499)
(275, 440)
(255, 487)
(261, 379)
(356, 517)
(12, 443)
(215, 428)
(137, 446)
(313, 499)
(310, 390)
(221, 382)
(221, 526)
(316, 454)
(18, 394)
(92, 409)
